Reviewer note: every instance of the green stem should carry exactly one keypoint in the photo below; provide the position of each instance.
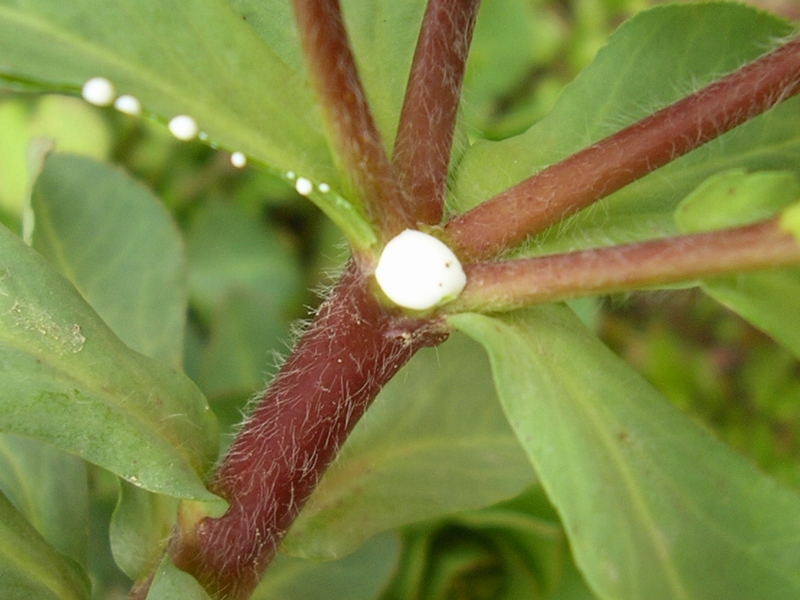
(506, 285)
(612, 163)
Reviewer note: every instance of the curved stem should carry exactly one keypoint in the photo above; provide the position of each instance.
(612, 163)
(428, 118)
(354, 135)
(498, 286)
(351, 349)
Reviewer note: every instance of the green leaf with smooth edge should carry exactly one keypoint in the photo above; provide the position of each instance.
(140, 529)
(654, 59)
(654, 507)
(104, 402)
(30, 568)
(170, 583)
(50, 489)
(114, 240)
(433, 432)
(735, 198)
(358, 576)
(195, 57)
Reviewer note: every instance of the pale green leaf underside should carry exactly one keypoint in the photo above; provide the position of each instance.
(30, 568)
(735, 198)
(656, 58)
(195, 57)
(654, 507)
(110, 405)
(434, 431)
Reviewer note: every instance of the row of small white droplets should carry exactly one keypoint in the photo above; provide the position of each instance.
(415, 270)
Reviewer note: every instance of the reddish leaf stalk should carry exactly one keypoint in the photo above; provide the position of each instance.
(352, 348)
(612, 163)
(494, 286)
(354, 135)
(428, 118)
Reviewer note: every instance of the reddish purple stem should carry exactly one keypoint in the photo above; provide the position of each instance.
(354, 134)
(352, 348)
(427, 122)
(612, 163)
(511, 284)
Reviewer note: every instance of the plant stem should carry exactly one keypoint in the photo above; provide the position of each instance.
(428, 118)
(612, 163)
(351, 349)
(355, 138)
(498, 286)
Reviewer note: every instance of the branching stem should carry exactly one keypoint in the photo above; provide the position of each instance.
(612, 163)
(499, 286)
(428, 118)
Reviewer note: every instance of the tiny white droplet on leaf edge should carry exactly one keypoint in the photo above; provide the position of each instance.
(98, 91)
(183, 127)
(128, 104)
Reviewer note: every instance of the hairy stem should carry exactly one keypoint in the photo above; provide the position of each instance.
(351, 349)
(612, 163)
(495, 286)
(354, 135)
(428, 118)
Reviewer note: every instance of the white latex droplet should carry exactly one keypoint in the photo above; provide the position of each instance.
(324, 188)
(183, 127)
(418, 271)
(238, 160)
(303, 186)
(98, 91)
(128, 104)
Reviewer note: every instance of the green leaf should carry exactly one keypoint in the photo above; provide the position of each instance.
(652, 504)
(359, 576)
(654, 59)
(195, 57)
(118, 245)
(112, 406)
(32, 569)
(140, 529)
(737, 198)
(170, 583)
(432, 433)
(50, 489)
